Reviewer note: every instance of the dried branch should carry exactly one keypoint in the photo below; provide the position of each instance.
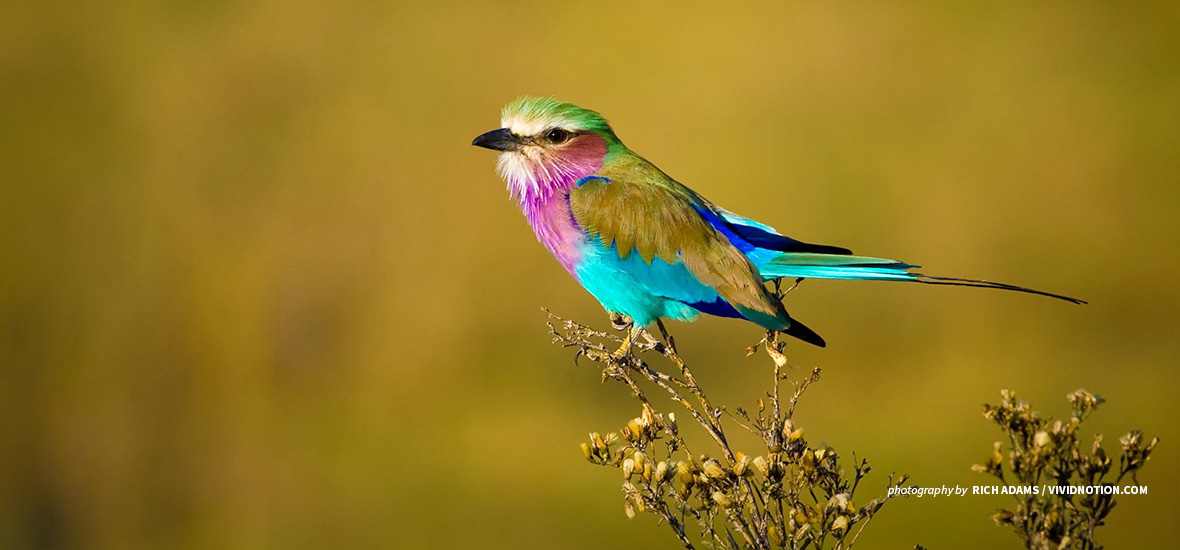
(793, 495)
(1045, 454)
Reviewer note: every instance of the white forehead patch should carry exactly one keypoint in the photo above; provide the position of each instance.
(531, 126)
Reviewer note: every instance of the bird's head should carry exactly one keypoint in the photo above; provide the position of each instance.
(547, 144)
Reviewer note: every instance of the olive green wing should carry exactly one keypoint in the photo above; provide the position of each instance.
(636, 209)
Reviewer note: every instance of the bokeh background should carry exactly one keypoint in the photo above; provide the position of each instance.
(258, 291)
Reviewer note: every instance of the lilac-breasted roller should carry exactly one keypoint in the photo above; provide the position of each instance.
(648, 247)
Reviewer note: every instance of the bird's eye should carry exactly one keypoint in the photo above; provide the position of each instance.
(557, 135)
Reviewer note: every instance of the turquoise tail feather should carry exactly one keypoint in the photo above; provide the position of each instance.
(865, 268)
(830, 266)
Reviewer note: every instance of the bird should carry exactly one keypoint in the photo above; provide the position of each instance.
(648, 247)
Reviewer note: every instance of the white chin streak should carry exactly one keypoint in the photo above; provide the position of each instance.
(531, 174)
(517, 170)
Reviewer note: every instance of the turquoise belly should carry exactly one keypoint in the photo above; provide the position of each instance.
(642, 291)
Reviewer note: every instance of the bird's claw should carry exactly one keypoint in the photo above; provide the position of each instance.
(619, 321)
(624, 350)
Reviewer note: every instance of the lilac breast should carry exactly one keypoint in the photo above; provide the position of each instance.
(543, 184)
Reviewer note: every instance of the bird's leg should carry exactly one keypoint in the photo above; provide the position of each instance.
(667, 337)
(778, 288)
(618, 321)
(625, 349)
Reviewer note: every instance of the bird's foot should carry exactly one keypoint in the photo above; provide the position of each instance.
(624, 350)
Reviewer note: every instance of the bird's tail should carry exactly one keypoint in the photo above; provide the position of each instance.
(831, 266)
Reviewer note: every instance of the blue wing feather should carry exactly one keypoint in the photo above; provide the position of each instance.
(778, 256)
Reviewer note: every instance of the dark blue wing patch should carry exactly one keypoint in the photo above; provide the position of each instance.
(747, 237)
(718, 307)
(771, 241)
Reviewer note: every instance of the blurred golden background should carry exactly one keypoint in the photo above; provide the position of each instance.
(258, 290)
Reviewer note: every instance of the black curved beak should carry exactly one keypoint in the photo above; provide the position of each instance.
(498, 140)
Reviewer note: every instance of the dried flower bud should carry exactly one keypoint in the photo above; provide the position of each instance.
(823, 452)
(586, 451)
(647, 418)
(628, 468)
(761, 465)
(722, 499)
(714, 470)
(1131, 440)
(661, 472)
(788, 427)
(776, 535)
(779, 359)
(596, 440)
(741, 464)
(839, 523)
(629, 509)
(683, 470)
(842, 502)
(633, 431)
(808, 461)
(1084, 402)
